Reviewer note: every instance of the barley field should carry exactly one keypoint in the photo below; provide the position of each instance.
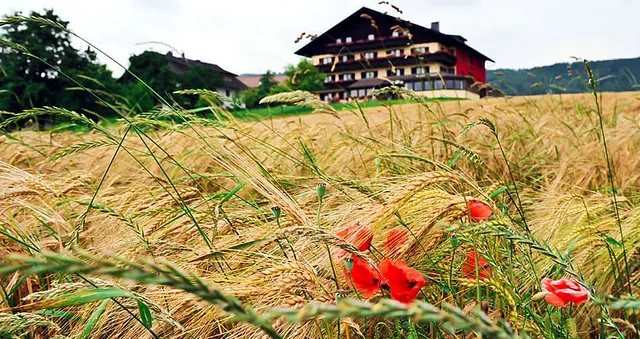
(222, 228)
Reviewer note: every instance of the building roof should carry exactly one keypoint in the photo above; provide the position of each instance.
(359, 21)
(182, 64)
(253, 81)
(197, 63)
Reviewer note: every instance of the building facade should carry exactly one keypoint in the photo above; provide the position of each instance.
(369, 50)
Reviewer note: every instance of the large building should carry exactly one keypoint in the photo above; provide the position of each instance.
(369, 50)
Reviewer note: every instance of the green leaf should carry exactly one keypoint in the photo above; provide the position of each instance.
(571, 245)
(455, 159)
(59, 314)
(613, 242)
(93, 319)
(145, 314)
(234, 248)
(632, 304)
(87, 296)
(232, 193)
(497, 192)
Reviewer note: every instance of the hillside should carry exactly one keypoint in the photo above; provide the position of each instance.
(613, 76)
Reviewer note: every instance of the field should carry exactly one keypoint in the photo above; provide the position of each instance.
(226, 228)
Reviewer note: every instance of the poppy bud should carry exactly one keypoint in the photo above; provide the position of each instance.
(539, 296)
(321, 188)
(378, 162)
(275, 210)
(348, 263)
(454, 241)
(572, 328)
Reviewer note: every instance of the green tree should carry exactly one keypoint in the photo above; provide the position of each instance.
(27, 82)
(304, 76)
(279, 89)
(251, 97)
(267, 82)
(153, 68)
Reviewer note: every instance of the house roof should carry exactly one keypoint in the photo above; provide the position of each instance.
(384, 23)
(182, 64)
(253, 81)
(197, 63)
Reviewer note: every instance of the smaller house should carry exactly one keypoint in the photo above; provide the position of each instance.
(231, 88)
(253, 81)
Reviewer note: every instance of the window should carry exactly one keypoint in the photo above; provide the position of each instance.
(368, 91)
(459, 84)
(347, 76)
(338, 41)
(371, 37)
(329, 78)
(421, 49)
(419, 70)
(354, 93)
(345, 58)
(417, 86)
(438, 84)
(370, 55)
(449, 84)
(369, 75)
(399, 71)
(408, 85)
(327, 60)
(348, 39)
(227, 93)
(395, 52)
(395, 34)
(428, 85)
(362, 92)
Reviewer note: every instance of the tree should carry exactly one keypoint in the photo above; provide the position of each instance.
(266, 83)
(251, 97)
(28, 82)
(304, 76)
(153, 68)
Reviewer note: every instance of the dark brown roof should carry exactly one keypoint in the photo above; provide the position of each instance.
(182, 64)
(357, 25)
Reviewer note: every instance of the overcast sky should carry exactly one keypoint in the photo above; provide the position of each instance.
(252, 36)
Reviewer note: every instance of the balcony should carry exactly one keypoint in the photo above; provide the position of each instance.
(443, 57)
(364, 44)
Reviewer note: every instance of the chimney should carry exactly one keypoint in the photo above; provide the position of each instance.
(435, 26)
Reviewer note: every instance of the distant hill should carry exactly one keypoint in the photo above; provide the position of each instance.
(611, 76)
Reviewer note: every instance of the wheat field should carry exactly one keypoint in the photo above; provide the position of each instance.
(215, 229)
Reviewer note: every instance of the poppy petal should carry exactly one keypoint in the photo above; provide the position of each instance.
(555, 300)
(545, 284)
(479, 210)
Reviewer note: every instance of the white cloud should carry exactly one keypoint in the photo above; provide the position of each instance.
(246, 36)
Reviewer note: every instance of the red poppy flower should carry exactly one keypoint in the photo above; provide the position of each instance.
(563, 291)
(479, 210)
(395, 239)
(404, 282)
(364, 278)
(469, 266)
(359, 235)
